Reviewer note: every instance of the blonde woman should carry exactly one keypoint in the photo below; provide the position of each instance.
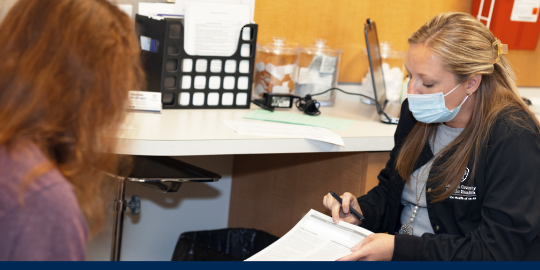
(463, 180)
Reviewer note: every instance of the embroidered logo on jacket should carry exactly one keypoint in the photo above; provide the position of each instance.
(463, 192)
(465, 175)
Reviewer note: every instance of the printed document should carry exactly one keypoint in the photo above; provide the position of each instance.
(180, 5)
(314, 238)
(213, 29)
(284, 131)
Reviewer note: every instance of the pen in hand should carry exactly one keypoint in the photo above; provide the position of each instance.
(352, 210)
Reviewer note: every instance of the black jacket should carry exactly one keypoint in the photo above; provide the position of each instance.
(494, 217)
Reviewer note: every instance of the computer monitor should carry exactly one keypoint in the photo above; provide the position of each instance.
(375, 62)
(388, 112)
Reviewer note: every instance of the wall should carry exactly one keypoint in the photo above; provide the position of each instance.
(341, 23)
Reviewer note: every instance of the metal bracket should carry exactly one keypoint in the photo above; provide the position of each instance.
(134, 205)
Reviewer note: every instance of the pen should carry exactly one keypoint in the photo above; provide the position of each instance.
(352, 210)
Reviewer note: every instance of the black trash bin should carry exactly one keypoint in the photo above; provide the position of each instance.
(221, 245)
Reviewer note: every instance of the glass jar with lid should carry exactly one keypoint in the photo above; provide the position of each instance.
(393, 67)
(276, 65)
(318, 71)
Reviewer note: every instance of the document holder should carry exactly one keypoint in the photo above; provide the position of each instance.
(192, 81)
(164, 174)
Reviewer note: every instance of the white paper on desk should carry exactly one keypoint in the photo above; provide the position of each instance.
(284, 130)
(314, 238)
(213, 29)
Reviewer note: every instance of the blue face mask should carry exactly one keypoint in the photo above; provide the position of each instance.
(430, 108)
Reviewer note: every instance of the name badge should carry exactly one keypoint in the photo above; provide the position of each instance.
(145, 101)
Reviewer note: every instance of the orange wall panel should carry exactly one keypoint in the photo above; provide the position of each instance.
(341, 23)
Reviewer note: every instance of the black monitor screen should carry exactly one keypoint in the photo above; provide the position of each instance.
(375, 62)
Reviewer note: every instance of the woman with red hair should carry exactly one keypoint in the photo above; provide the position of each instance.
(65, 71)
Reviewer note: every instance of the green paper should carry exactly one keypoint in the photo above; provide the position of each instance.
(300, 119)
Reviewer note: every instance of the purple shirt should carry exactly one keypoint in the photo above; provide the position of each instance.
(49, 225)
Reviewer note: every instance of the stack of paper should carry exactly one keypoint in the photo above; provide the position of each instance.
(314, 238)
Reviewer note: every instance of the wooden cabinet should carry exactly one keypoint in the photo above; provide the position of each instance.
(273, 192)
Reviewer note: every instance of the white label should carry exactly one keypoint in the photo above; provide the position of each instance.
(525, 11)
(145, 101)
(281, 102)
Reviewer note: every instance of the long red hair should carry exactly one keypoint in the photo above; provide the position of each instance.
(66, 67)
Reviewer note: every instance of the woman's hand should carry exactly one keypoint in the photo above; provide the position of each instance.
(341, 212)
(375, 247)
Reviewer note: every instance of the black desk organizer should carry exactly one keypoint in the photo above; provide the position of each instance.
(164, 69)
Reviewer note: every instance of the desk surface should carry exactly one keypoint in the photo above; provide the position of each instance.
(202, 132)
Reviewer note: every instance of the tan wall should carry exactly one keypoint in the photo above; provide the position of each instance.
(341, 23)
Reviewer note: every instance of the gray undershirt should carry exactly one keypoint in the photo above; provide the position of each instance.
(445, 135)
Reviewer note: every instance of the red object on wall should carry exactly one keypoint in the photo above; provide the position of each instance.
(518, 35)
